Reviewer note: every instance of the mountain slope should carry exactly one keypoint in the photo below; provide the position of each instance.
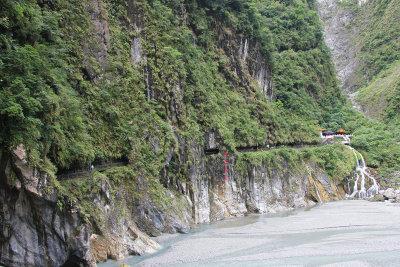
(379, 99)
(68, 82)
(181, 94)
(364, 39)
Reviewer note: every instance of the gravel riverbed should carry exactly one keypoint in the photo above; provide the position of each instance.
(342, 233)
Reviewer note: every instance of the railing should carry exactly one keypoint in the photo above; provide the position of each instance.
(261, 148)
(346, 140)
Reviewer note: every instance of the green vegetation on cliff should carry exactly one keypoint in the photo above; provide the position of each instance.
(84, 81)
(377, 24)
(336, 160)
(380, 98)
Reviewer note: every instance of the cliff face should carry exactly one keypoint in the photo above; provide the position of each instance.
(339, 34)
(37, 230)
(156, 84)
(255, 187)
(45, 228)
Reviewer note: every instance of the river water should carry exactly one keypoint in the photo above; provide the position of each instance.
(342, 233)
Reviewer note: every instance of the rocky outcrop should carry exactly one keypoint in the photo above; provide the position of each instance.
(117, 235)
(38, 229)
(249, 64)
(35, 230)
(388, 195)
(257, 189)
(206, 197)
(43, 227)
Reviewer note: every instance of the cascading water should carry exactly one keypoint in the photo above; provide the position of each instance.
(315, 185)
(363, 171)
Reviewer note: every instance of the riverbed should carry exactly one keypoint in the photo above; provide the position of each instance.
(342, 233)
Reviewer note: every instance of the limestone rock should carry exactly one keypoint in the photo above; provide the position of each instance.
(217, 208)
(98, 247)
(30, 177)
(119, 233)
(35, 231)
(389, 193)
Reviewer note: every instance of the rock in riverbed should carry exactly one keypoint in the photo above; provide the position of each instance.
(389, 195)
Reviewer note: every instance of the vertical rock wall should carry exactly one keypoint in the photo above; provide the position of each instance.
(35, 230)
(338, 35)
(260, 189)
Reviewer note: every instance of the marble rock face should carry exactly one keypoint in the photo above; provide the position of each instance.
(35, 231)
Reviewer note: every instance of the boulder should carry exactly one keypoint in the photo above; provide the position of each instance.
(389, 193)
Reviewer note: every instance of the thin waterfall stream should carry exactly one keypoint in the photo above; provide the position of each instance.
(315, 184)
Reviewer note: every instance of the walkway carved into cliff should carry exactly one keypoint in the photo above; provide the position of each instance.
(73, 174)
(325, 140)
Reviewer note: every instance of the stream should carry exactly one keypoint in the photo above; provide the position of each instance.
(341, 233)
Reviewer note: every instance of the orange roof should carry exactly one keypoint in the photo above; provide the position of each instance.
(320, 129)
(341, 131)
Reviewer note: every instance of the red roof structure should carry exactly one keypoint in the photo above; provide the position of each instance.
(341, 131)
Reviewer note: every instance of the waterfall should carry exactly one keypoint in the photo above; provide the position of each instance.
(363, 171)
(355, 155)
(348, 184)
(355, 190)
(315, 185)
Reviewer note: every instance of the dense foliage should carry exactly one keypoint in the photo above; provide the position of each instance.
(380, 98)
(72, 90)
(337, 160)
(84, 82)
(375, 28)
(39, 107)
(379, 28)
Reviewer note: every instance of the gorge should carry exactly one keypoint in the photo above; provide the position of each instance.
(208, 108)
